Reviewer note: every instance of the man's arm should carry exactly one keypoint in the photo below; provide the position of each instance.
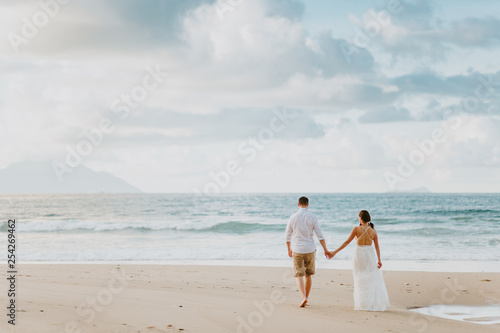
(288, 236)
(323, 243)
(290, 254)
(321, 238)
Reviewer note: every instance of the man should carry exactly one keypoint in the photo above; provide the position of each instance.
(301, 247)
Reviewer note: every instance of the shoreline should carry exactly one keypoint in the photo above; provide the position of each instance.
(388, 265)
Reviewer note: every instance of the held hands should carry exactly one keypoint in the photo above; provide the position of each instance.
(330, 254)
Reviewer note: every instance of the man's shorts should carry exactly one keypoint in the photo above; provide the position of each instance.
(304, 263)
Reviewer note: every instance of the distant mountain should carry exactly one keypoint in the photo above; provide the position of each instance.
(39, 177)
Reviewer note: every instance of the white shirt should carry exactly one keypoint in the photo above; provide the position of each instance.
(300, 231)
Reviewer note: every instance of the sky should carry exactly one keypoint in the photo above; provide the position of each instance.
(297, 96)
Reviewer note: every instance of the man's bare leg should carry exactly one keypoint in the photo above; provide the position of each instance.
(308, 285)
(300, 284)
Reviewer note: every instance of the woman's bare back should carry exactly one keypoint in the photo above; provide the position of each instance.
(365, 235)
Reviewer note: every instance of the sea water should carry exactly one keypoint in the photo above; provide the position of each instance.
(185, 227)
(487, 315)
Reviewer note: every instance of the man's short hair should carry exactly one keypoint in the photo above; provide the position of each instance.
(303, 201)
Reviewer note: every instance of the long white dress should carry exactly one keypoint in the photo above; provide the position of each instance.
(370, 293)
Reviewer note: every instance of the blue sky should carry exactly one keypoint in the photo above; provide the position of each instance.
(375, 102)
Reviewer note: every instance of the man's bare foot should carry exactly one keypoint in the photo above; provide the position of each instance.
(303, 304)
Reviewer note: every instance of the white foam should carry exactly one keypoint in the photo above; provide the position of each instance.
(389, 265)
(486, 315)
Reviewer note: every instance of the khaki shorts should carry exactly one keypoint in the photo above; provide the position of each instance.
(304, 263)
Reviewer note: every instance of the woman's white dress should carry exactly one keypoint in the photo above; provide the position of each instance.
(370, 293)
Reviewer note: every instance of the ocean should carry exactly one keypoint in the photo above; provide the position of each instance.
(171, 227)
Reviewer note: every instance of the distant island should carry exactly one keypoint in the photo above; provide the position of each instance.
(39, 177)
(421, 189)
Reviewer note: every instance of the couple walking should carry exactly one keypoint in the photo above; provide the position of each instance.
(369, 287)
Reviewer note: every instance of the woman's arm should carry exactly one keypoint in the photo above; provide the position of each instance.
(351, 237)
(377, 248)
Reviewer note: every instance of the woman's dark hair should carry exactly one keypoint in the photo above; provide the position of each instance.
(365, 216)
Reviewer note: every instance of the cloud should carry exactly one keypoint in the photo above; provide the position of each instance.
(428, 82)
(474, 93)
(274, 46)
(473, 144)
(156, 127)
(474, 32)
(106, 26)
(389, 114)
(421, 31)
(465, 142)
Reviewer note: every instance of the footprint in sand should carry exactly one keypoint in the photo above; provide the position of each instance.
(171, 328)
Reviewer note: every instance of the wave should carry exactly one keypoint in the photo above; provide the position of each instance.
(243, 228)
(429, 228)
(455, 211)
(232, 227)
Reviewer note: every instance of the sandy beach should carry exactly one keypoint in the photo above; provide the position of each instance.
(166, 298)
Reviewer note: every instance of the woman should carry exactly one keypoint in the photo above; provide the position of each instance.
(369, 287)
